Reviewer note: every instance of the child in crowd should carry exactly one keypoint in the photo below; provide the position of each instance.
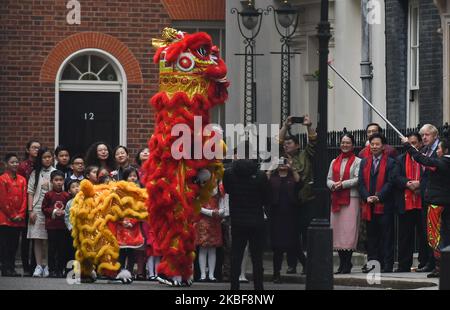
(91, 174)
(209, 234)
(62, 157)
(131, 174)
(38, 185)
(129, 235)
(152, 252)
(73, 189)
(13, 208)
(53, 207)
(77, 166)
(103, 176)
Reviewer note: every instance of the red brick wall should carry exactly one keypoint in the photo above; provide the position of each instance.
(32, 36)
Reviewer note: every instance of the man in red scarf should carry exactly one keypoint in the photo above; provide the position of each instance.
(409, 202)
(371, 129)
(375, 188)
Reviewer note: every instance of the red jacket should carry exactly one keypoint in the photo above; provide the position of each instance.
(53, 200)
(13, 200)
(127, 237)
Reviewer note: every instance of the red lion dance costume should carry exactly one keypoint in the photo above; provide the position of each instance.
(192, 81)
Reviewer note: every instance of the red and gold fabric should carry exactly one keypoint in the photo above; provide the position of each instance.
(192, 81)
(434, 228)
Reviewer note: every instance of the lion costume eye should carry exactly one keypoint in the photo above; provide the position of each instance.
(202, 53)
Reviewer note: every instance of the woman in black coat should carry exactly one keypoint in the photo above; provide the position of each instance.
(285, 184)
(437, 193)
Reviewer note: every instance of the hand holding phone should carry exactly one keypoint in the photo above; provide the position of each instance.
(298, 119)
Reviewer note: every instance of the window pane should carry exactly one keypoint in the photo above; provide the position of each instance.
(414, 26)
(70, 73)
(108, 74)
(414, 67)
(97, 63)
(81, 63)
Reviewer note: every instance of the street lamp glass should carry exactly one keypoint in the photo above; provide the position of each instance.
(250, 21)
(285, 19)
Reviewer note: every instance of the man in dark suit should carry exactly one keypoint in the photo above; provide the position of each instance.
(376, 190)
(430, 139)
(248, 188)
(408, 199)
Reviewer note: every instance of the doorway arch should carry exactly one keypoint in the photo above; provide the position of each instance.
(90, 78)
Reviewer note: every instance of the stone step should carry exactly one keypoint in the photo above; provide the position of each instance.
(358, 259)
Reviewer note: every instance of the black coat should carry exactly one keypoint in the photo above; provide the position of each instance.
(437, 189)
(386, 194)
(400, 182)
(426, 176)
(284, 211)
(248, 189)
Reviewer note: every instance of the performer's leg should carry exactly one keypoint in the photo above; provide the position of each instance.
(211, 263)
(202, 252)
(151, 267)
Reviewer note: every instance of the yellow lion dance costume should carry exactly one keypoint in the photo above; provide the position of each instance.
(93, 209)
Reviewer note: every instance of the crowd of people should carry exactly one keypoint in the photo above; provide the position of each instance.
(368, 191)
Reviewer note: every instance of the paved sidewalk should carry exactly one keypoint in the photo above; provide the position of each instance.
(407, 280)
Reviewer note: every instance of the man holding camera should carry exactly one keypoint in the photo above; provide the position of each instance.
(301, 162)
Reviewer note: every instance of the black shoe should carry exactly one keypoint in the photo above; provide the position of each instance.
(291, 270)
(53, 274)
(386, 270)
(339, 271)
(426, 268)
(276, 279)
(433, 274)
(366, 269)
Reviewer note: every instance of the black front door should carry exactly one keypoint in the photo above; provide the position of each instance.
(87, 117)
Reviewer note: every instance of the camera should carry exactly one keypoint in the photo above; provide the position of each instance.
(282, 161)
(298, 119)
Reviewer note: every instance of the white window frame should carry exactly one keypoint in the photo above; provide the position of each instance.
(119, 86)
(412, 108)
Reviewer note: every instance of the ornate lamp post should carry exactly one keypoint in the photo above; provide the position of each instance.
(287, 17)
(319, 270)
(251, 19)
